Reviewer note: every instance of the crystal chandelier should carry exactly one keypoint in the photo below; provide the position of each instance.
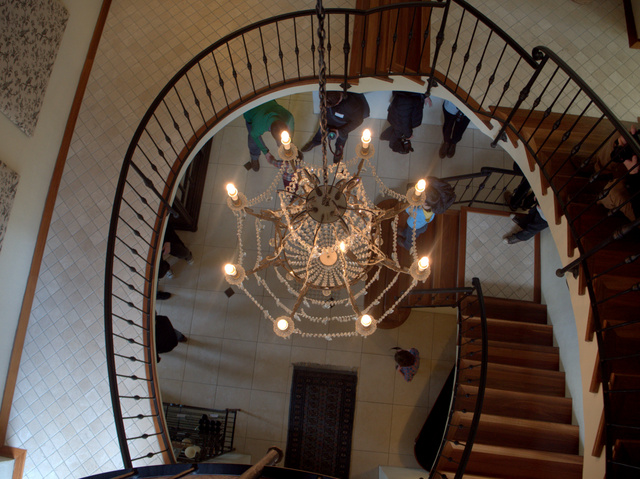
(326, 249)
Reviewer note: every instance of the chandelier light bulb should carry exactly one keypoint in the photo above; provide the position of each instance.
(230, 270)
(366, 320)
(366, 139)
(423, 263)
(232, 191)
(421, 185)
(286, 139)
(282, 324)
(343, 246)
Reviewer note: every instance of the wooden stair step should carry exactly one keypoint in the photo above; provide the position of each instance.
(518, 404)
(510, 331)
(515, 378)
(516, 354)
(513, 463)
(510, 309)
(520, 433)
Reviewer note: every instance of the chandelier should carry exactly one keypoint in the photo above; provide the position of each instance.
(325, 245)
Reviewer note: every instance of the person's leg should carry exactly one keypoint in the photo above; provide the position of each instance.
(531, 225)
(315, 141)
(618, 197)
(458, 128)
(179, 250)
(339, 147)
(447, 128)
(181, 337)
(517, 199)
(254, 150)
(164, 268)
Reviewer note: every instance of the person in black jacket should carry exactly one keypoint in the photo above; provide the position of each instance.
(345, 113)
(167, 337)
(404, 114)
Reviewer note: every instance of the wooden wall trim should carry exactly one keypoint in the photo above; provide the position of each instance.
(45, 222)
(19, 457)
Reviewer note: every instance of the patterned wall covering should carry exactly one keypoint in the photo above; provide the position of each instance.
(8, 185)
(30, 35)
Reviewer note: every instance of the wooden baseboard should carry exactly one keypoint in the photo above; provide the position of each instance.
(32, 281)
(19, 456)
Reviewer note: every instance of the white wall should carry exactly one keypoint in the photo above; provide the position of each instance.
(33, 158)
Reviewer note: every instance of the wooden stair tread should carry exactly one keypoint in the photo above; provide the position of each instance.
(516, 354)
(512, 310)
(520, 433)
(511, 463)
(518, 404)
(511, 331)
(516, 378)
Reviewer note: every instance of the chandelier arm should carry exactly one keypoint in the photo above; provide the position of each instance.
(265, 263)
(414, 283)
(376, 301)
(303, 292)
(352, 300)
(398, 208)
(394, 267)
(262, 215)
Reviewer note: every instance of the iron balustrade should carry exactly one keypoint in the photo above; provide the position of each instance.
(536, 100)
(488, 187)
(469, 303)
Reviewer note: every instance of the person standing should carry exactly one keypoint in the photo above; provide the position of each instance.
(173, 245)
(345, 113)
(271, 117)
(455, 123)
(167, 337)
(404, 114)
(407, 362)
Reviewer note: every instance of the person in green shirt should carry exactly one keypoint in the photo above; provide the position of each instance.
(267, 117)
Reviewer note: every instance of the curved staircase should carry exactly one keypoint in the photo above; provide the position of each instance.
(525, 428)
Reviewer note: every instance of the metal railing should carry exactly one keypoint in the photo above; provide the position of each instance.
(537, 100)
(488, 187)
(469, 303)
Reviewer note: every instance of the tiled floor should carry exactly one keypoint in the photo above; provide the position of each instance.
(61, 411)
(505, 271)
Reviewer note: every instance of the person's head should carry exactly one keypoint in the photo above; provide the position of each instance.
(334, 97)
(404, 358)
(277, 127)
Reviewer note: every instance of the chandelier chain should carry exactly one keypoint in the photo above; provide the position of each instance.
(322, 81)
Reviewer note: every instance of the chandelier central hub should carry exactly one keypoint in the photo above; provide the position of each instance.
(326, 204)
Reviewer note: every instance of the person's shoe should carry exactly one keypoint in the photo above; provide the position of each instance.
(169, 274)
(337, 156)
(310, 145)
(512, 239)
(255, 165)
(189, 259)
(451, 150)
(444, 148)
(162, 295)
(515, 219)
(183, 339)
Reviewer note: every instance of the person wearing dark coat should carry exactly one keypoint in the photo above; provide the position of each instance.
(174, 246)
(345, 113)
(404, 114)
(167, 337)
